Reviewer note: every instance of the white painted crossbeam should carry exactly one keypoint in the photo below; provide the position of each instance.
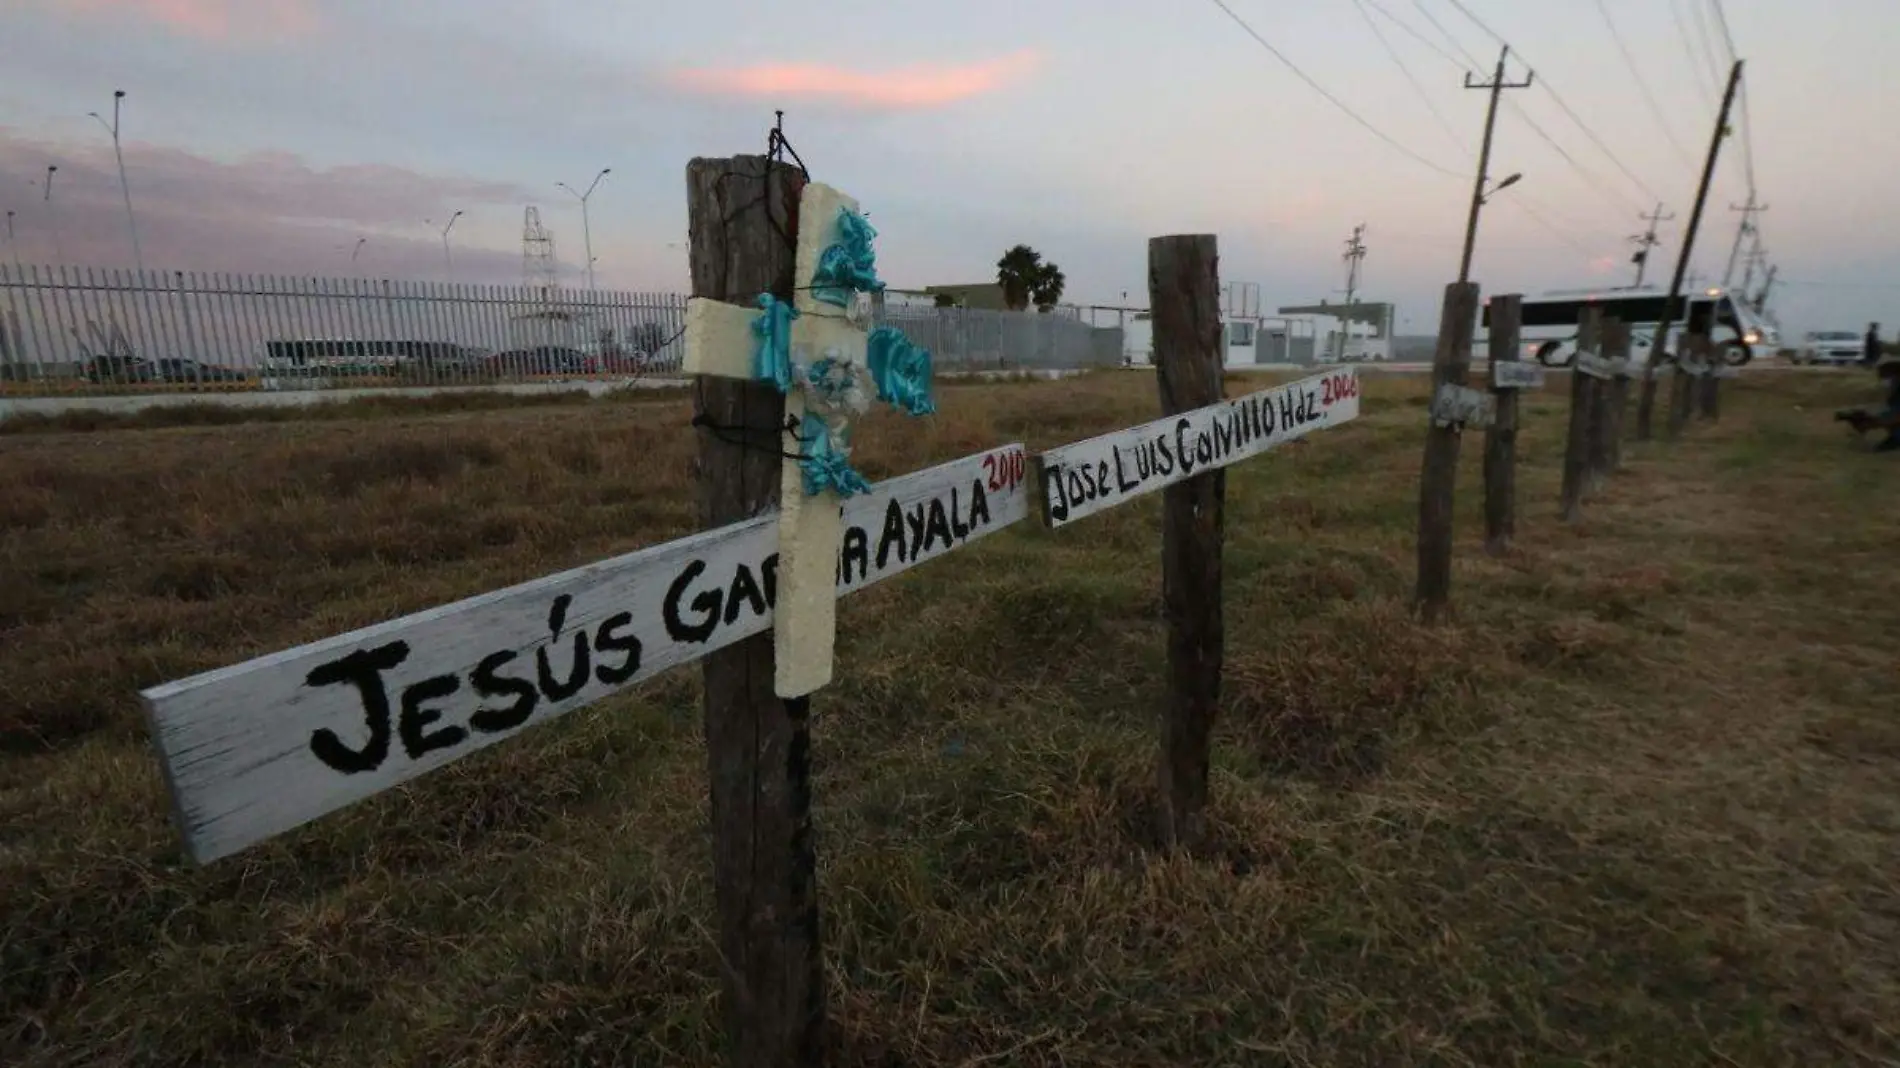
(254, 750)
(1090, 476)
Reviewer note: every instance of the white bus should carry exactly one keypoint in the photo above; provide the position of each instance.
(1549, 328)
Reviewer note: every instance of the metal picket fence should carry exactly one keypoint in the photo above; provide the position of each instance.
(82, 330)
(79, 330)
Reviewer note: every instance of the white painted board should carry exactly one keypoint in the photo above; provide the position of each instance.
(1454, 404)
(254, 750)
(1090, 476)
(1516, 374)
(1595, 366)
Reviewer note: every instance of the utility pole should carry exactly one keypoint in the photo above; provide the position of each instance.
(1497, 85)
(1647, 240)
(1355, 254)
(1757, 257)
(1661, 338)
(1749, 211)
(1761, 298)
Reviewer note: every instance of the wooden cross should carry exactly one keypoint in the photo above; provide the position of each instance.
(720, 340)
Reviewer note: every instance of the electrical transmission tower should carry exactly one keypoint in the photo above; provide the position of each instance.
(1647, 240)
(1355, 255)
(1742, 233)
(539, 269)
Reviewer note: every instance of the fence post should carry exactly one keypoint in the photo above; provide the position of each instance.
(1616, 344)
(1500, 438)
(758, 747)
(1710, 391)
(1184, 293)
(1439, 476)
(1602, 396)
(1680, 387)
(1582, 401)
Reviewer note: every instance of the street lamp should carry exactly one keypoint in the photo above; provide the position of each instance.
(447, 264)
(52, 215)
(360, 242)
(131, 221)
(15, 246)
(587, 234)
(1505, 184)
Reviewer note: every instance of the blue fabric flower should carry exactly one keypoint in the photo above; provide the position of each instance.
(850, 265)
(826, 462)
(901, 371)
(772, 351)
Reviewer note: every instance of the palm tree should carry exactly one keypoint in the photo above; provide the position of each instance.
(1018, 272)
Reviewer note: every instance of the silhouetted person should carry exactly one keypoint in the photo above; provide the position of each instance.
(1870, 355)
(1890, 374)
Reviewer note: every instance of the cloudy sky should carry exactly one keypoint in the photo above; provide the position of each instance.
(269, 135)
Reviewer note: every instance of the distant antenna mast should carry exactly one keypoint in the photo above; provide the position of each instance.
(539, 269)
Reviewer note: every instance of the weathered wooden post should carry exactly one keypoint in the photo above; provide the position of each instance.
(1616, 344)
(1184, 293)
(1602, 395)
(1509, 375)
(1681, 385)
(1584, 372)
(1709, 397)
(1452, 406)
(758, 745)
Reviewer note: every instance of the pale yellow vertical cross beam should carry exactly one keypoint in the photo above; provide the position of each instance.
(719, 341)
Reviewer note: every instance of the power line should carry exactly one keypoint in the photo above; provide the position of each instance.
(1538, 217)
(1410, 29)
(1696, 70)
(1836, 285)
(1702, 38)
(1423, 96)
(1335, 101)
(1748, 140)
(1567, 109)
(1446, 34)
(1595, 181)
(1721, 18)
(1642, 83)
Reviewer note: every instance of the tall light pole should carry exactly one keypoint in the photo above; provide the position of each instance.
(52, 216)
(447, 263)
(587, 236)
(1496, 86)
(131, 221)
(360, 242)
(14, 244)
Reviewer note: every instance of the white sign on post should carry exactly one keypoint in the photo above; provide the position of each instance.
(1090, 476)
(254, 750)
(1596, 366)
(1456, 405)
(1516, 374)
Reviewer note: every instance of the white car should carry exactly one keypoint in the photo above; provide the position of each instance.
(1830, 347)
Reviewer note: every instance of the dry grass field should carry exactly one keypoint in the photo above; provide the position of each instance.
(1640, 806)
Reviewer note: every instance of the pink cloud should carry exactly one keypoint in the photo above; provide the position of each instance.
(215, 20)
(917, 85)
